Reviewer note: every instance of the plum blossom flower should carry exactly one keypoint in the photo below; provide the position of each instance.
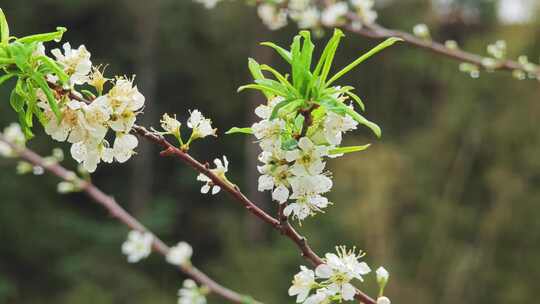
(190, 293)
(179, 254)
(123, 147)
(126, 101)
(365, 10)
(220, 170)
(137, 246)
(170, 125)
(14, 134)
(322, 296)
(335, 125)
(308, 158)
(201, 126)
(382, 275)
(333, 14)
(302, 284)
(273, 17)
(76, 63)
(339, 269)
(383, 300)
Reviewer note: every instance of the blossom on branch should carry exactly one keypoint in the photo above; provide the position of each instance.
(180, 254)
(191, 294)
(14, 134)
(137, 246)
(220, 170)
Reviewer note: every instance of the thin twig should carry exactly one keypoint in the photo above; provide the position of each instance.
(124, 217)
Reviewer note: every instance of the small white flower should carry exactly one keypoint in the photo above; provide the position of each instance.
(179, 254)
(123, 147)
(340, 269)
(365, 10)
(38, 170)
(201, 126)
(497, 49)
(209, 4)
(125, 101)
(137, 246)
(308, 158)
(13, 134)
(322, 296)
(333, 14)
(421, 30)
(65, 187)
(190, 294)
(76, 63)
(335, 125)
(383, 300)
(382, 275)
(274, 18)
(220, 170)
(306, 18)
(302, 284)
(170, 124)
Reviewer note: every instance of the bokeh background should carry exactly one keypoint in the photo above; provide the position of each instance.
(447, 200)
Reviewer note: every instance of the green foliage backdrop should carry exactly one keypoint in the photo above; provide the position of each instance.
(447, 199)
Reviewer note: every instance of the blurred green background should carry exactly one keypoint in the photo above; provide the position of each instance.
(447, 200)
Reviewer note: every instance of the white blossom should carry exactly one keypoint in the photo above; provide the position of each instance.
(170, 124)
(306, 18)
(421, 30)
(209, 4)
(333, 14)
(382, 275)
(76, 63)
(273, 17)
(137, 246)
(339, 269)
(201, 126)
(65, 187)
(322, 296)
(302, 284)
(335, 125)
(365, 10)
(179, 254)
(308, 158)
(13, 134)
(126, 101)
(220, 170)
(190, 293)
(383, 300)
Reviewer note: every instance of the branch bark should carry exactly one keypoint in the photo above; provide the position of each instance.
(127, 219)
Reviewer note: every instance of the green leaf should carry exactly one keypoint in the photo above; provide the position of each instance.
(329, 58)
(281, 51)
(287, 105)
(259, 88)
(24, 126)
(88, 95)
(53, 66)
(234, 130)
(4, 28)
(56, 36)
(289, 144)
(6, 77)
(277, 86)
(388, 42)
(279, 77)
(296, 63)
(305, 62)
(40, 82)
(356, 99)
(16, 101)
(299, 123)
(344, 150)
(340, 108)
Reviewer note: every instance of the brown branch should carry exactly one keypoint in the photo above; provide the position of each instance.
(124, 217)
(281, 224)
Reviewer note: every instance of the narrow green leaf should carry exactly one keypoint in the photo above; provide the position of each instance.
(340, 108)
(357, 99)
(40, 82)
(281, 51)
(296, 64)
(22, 121)
(53, 66)
(16, 101)
(284, 91)
(234, 130)
(56, 36)
(333, 45)
(4, 28)
(260, 88)
(276, 108)
(388, 42)
(279, 77)
(6, 77)
(344, 150)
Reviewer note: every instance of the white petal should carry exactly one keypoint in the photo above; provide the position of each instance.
(324, 271)
(348, 291)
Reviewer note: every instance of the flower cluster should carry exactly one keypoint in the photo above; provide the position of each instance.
(138, 246)
(13, 134)
(190, 293)
(309, 14)
(200, 126)
(302, 125)
(335, 276)
(86, 124)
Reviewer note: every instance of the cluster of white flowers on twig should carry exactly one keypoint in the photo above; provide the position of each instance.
(308, 14)
(298, 174)
(331, 281)
(86, 125)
